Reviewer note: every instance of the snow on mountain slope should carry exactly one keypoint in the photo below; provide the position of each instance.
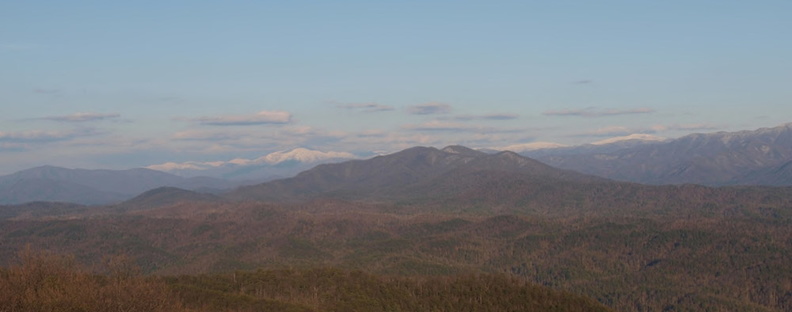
(720, 158)
(281, 163)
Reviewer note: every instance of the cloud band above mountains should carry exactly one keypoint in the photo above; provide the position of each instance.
(366, 107)
(432, 108)
(82, 117)
(260, 118)
(597, 112)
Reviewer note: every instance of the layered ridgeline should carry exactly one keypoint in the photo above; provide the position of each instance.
(415, 173)
(760, 157)
(97, 187)
(450, 212)
(457, 179)
(93, 187)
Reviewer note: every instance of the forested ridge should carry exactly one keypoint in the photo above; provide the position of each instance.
(734, 260)
(43, 281)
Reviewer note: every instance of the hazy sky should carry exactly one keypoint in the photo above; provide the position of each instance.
(122, 84)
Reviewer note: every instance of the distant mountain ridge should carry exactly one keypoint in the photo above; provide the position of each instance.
(166, 195)
(274, 165)
(418, 172)
(92, 187)
(759, 157)
(457, 178)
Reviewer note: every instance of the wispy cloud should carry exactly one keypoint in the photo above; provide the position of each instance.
(382, 142)
(612, 131)
(487, 117)
(82, 117)
(366, 107)
(193, 135)
(634, 136)
(598, 112)
(41, 136)
(432, 108)
(438, 125)
(230, 140)
(685, 127)
(260, 118)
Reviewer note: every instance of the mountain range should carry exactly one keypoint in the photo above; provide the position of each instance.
(415, 173)
(268, 167)
(456, 179)
(427, 211)
(93, 187)
(98, 187)
(759, 157)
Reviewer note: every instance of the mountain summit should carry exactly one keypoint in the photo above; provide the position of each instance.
(418, 172)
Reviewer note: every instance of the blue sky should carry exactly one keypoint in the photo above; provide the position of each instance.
(110, 84)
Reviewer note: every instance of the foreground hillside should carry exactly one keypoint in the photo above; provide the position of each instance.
(735, 262)
(47, 282)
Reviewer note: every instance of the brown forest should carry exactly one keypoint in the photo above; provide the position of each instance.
(730, 260)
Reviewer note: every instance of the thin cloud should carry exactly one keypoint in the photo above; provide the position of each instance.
(366, 107)
(40, 136)
(437, 125)
(390, 141)
(685, 127)
(634, 136)
(82, 117)
(192, 135)
(609, 131)
(597, 112)
(432, 108)
(260, 118)
(487, 117)
(372, 133)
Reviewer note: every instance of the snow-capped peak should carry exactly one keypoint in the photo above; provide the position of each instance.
(631, 137)
(524, 147)
(302, 155)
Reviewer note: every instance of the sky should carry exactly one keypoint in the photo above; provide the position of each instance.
(125, 84)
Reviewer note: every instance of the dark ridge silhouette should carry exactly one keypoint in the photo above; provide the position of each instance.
(92, 187)
(419, 172)
(164, 196)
